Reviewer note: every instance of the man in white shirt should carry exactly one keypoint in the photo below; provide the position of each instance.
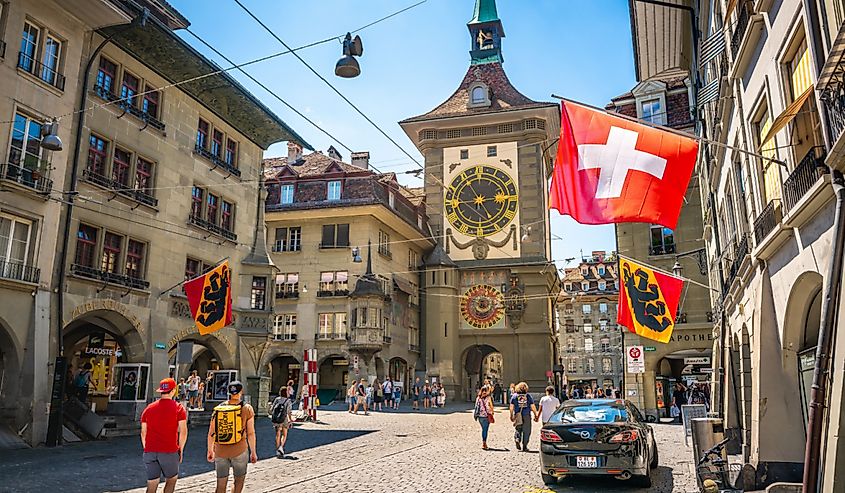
(548, 404)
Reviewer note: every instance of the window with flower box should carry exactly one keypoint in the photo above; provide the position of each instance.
(287, 285)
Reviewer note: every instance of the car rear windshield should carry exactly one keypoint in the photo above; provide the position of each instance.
(590, 414)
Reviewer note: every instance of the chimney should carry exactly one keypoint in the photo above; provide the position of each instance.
(294, 152)
(361, 159)
(332, 152)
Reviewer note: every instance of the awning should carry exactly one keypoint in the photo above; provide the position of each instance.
(786, 116)
(403, 285)
(834, 59)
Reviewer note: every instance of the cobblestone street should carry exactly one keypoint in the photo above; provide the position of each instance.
(390, 452)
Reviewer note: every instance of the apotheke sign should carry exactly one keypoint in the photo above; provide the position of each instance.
(698, 360)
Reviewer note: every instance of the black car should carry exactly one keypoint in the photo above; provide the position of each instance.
(606, 437)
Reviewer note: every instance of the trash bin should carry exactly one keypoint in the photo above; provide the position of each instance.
(706, 432)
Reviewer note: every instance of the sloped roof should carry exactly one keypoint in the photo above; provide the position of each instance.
(503, 95)
(312, 164)
(438, 256)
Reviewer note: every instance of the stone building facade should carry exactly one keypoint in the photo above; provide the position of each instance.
(164, 182)
(590, 340)
(664, 100)
(357, 305)
(772, 91)
(489, 283)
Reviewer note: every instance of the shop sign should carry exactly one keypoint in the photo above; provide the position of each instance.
(102, 351)
(340, 362)
(698, 360)
(650, 349)
(706, 370)
(635, 359)
(160, 345)
(294, 366)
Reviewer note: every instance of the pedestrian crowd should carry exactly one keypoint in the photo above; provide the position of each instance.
(522, 410)
(387, 395)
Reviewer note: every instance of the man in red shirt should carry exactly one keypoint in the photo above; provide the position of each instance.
(164, 431)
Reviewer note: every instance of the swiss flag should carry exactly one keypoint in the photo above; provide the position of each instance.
(612, 170)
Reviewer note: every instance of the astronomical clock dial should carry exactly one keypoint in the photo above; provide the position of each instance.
(481, 201)
(482, 306)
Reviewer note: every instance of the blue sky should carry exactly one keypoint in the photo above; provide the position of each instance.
(414, 61)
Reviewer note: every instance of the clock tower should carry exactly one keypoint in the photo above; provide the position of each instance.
(488, 153)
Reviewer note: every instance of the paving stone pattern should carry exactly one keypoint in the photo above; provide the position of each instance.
(431, 451)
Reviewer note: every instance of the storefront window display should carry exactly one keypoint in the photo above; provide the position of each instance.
(102, 352)
(130, 382)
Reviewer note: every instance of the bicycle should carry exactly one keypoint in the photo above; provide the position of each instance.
(714, 472)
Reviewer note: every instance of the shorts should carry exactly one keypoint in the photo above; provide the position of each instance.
(361, 399)
(237, 464)
(281, 426)
(193, 393)
(158, 464)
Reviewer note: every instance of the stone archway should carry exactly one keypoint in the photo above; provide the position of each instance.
(10, 373)
(479, 360)
(115, 324)
(207, 349)
(280, 366)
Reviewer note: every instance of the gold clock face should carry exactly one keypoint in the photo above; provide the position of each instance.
(481, 201)
(482, 306)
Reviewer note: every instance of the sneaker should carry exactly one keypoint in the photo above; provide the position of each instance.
(280, 452)
(518, 445)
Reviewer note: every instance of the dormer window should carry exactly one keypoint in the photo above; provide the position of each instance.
(479, 95)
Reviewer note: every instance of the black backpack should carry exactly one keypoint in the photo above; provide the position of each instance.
(280, 411)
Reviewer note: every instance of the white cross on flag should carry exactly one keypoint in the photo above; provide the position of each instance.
(610, 169)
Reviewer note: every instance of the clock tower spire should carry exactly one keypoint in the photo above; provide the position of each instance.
(486, 32)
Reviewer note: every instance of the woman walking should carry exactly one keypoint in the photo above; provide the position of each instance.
(522, 409)
(281, 415)
(484, 413)
(378, 395)
(350, 396)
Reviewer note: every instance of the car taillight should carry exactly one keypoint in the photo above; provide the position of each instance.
(549, 436)
(624, 437)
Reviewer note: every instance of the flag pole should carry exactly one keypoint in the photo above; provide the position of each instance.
(673, 131)
(186, 280)
(658, 269)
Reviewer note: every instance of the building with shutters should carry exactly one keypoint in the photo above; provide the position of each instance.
(158, 181)
(768, 84)
(590, 340)
(348, 244)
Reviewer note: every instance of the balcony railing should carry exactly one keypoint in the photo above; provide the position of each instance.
(414, 347)
(43, 72)
(803, 177)
(767, 221)
(336, 292)
(834, 104)
(330, 336)
(281, 246)
(19, 271)
(127, 106)
(26, 177)
(287, 295)
(740, 251)
(662, 249)
(741, 27)
(132, 193)
(109, 277)
(284, 337)
(216, 160)
(212, 228)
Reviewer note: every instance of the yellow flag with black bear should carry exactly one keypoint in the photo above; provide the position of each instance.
(648, 300)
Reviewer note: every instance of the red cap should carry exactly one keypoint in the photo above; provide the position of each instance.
(166, 385)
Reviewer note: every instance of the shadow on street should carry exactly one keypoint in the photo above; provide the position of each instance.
(115, 465)
(661, 476)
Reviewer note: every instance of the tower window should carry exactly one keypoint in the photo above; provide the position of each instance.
(491, 151)
(478, 95)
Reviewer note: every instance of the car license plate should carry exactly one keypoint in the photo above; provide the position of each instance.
(586, 462)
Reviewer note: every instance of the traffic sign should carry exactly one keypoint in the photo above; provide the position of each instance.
(649, 349)
(635, 359)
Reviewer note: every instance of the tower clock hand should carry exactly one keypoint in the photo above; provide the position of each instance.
(472, 189)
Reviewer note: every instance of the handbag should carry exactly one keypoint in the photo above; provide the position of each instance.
(490, 414)
(517, 420)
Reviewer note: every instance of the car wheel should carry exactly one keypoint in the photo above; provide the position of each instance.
(548, 479)
(643, 481)
(654, 458)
